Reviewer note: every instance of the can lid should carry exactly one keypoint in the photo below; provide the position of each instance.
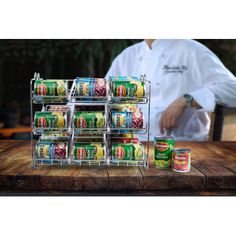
(167, 137)
(182, 149)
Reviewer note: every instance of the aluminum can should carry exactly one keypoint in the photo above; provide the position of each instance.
(181, 159)
(163, 147)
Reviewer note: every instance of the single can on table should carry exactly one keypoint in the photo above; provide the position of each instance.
(43, 151)
(181, 159)
(59, 150)
(131, 88)
(50, 119)
(127, 119)
(85, 151)
(163, 147)
(89, 87)
(89, 119)
(51, 87)
(127, 151)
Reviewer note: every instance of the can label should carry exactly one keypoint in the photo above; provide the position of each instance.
(50, 119)
(127, 119)
(51, 87)
(59, 150)
(90, 87)
(121, 119)
(163, 147)
(127, 151)
(52, 150)
(89, 120)
(43, 151)
(132, 88)
(88, 151)
(181, 160)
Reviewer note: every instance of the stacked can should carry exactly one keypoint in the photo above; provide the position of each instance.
(90, 87)
(48, 151)
(50, 119)
(89, 119)
(124, 86)
(127, 151)
(85, 151)
(51, 87)
(127, 119)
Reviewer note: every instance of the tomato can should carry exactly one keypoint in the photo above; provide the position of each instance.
(89, 119)
(127, 151)
(50, 119)
(51, 87)
(85, 151)
(181, 159)
(163, 147)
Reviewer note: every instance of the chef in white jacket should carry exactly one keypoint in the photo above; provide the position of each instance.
(188, 80)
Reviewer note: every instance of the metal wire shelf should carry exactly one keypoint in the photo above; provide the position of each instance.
(73, 133)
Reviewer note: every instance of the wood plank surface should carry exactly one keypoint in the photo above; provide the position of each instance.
(124, 178)
(213, 169)
(155, 179)
(210, 164)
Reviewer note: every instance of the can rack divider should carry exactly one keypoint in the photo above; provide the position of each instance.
(71, 100)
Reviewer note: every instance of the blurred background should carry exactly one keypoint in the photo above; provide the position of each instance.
(66, 59)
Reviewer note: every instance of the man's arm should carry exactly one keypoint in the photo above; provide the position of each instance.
(218, 87)
(170, 116)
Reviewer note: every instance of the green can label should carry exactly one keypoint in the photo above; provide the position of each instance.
(88, 151)
(128, 88)
(163, 147)
(50, 87)
(50, 120)
(127, 151)
(89, 120)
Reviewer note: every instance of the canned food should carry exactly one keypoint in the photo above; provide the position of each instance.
(181, 159)
(127, 151)
(93, 151)
(89, 119)
(43, 151)
(50, 119)
(51, 87)
(131, 88)
(163, 147)
(90, 87)
(127, 119)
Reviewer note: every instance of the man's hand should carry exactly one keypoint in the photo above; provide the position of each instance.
(171, 114)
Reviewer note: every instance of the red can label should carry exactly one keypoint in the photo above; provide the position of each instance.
(181, 161)
(120, 153)
(42, 123)
(81, 153)
(121, 91)
(162, 146)
(42, 89)
(81, 122)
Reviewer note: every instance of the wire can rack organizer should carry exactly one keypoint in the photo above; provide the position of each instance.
(102, 134)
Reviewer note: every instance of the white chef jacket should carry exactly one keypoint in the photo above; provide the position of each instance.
(177, 67)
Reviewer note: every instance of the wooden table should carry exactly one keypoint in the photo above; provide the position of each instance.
(213, 172)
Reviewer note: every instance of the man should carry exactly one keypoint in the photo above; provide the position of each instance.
(187, 81)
